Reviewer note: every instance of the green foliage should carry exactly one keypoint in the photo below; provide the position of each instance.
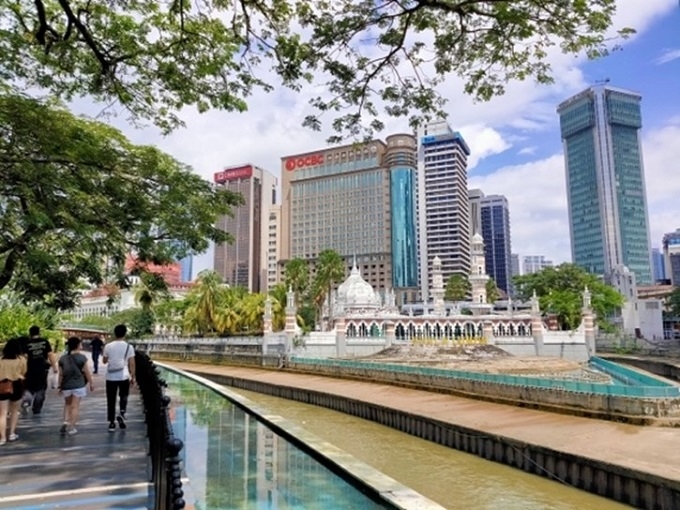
(17, 317)
(560, 291)
(457, 288)
(492, 292)
(140, 321)
(76, 197)
(296, 276)
(330, 269)
(154, 58)
(673, 302)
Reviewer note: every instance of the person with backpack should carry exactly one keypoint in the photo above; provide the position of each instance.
(119, 358)
(40, 357)
(74, 377)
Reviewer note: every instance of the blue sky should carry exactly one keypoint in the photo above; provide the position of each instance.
(516, 148)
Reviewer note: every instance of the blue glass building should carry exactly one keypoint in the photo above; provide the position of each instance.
(186, 267)
(495, 220)
(400, 159)
(607, 201)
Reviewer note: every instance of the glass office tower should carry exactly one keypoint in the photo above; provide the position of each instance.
(605, 181)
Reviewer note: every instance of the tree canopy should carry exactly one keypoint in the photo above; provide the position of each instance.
(673, 302)
(560, 290)
(76, 197)
(457, 287)
(372, 58)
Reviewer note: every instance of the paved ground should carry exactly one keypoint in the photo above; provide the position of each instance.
(91, 470)
(645, 449)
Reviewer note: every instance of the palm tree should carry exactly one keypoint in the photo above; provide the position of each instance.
(278, 295)
(251, 311)
(296, 276)
(150, 290)
(206, 297)
(330, 270)
(492, 292)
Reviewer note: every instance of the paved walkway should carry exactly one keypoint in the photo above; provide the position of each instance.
(91, 470)
(647, 449)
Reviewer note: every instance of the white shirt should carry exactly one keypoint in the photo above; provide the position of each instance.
(114, 352)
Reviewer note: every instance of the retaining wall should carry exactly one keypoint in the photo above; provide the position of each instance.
(641, 490)
(669, 369)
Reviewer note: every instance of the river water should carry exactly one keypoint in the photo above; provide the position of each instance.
(453, 479)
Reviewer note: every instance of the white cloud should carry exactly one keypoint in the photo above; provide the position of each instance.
(527, 151)
(668, 56)
(483, 141)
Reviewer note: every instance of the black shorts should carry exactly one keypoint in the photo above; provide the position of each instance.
(17, 393)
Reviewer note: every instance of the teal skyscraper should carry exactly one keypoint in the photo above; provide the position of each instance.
(607, 202)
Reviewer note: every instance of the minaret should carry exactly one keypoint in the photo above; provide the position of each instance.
(478, 276)
(438, 287)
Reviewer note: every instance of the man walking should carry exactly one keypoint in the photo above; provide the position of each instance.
(40, 357)
(119, 358)
(96, 346)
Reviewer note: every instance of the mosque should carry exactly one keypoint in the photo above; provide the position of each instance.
(362, 321)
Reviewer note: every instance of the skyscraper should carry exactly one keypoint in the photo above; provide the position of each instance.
(658, 265)
(514, 264)
(475, 197)
(495, 215)
(243, 263)
(359, 201)
(671, 255)
(186, 265)
(535, 263)
(443, 204)
(605, 181)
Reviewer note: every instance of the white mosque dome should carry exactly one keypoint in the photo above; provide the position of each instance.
(477, 239)
(355, 292)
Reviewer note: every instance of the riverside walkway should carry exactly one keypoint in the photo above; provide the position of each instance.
(644, 449)
(93, 469)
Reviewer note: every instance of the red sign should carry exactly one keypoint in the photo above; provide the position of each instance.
(304, 161)
(230, 174)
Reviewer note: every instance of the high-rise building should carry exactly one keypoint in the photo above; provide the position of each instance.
(608, 216)
(514, 264)
(443, 204)
(273, 246)
(475, 197)
(658, 265)
(359, 201)
(495, 214)
(535, 263)
(243, 263)
(671, 255)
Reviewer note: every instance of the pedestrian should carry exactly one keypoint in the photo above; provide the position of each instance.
(74, 377)
(96, 345)
(12, 374)
(40, 357)
(119, 358)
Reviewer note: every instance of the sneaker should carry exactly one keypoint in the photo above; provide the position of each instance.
(25, 404)
(121, 421)
(63, 429)
(72, 431)
(112, 426)
(12, 437)
(2, 442)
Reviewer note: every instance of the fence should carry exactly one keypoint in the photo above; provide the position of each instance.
(164, 447)
(643, 388)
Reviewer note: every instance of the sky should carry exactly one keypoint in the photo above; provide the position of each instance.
(514, 139)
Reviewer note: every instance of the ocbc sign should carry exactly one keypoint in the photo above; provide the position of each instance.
(304, 161)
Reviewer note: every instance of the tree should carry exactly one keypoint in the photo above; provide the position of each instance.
(330, 269)
(154, 58)
(76, 197)
(278, 295)
(150, 290)
(560, 291)
(296, 276)
(205, 298)
(457, 287)
(140, 322)
(673, 302)
(492, 292)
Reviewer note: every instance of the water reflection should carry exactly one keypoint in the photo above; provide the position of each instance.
(234, 461)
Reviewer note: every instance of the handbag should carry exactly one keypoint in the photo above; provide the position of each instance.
(6, 387)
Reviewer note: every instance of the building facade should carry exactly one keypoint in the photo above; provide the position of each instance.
(443, 205)
(273, 246)
(606, 194)
(475, 197)
(671, 255)
(495, 215)
(244, 262)
(187, 265)
(514, 264)
(535, 263)
(359, 201)
(658, 266)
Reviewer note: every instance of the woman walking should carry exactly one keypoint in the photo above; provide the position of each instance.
(74, 377)
(12, 373)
